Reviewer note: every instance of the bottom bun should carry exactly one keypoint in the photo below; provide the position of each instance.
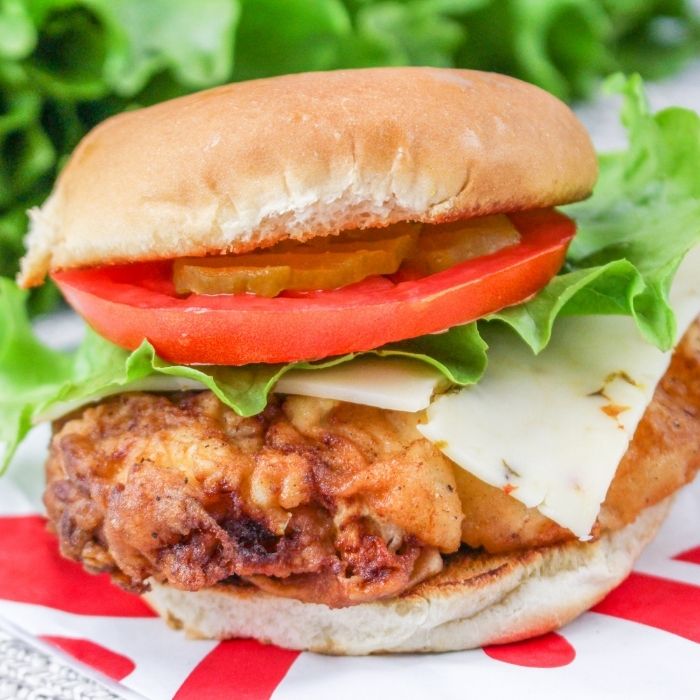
(477, 599)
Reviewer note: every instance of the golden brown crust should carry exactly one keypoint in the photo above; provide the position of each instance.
(665, 452)
(187, 492)
(248, 164)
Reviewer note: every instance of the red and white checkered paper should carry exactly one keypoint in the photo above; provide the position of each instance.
(643, 641)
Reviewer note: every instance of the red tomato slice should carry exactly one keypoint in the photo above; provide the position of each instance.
(128, 303)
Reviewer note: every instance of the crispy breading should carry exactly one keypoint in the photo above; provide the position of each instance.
(319, 500)
(665, 452)
(182, 489)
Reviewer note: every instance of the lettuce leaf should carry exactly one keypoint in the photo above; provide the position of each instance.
(30, 372)
(194, 40)
(288, 37)
(633, 232)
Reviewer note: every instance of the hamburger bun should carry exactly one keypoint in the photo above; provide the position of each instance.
(249, 164)
(478, 599)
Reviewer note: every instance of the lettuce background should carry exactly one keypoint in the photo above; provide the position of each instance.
(642, 219)
(67, 64)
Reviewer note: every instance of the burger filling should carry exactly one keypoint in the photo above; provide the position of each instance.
(323, 501)
(323, 297)
(217, 428)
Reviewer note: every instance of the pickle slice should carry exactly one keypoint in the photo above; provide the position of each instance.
(329, 262)
(322, 263)
(441, 246)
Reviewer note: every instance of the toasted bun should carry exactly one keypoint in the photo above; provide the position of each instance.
(476, 600)
(248, 164)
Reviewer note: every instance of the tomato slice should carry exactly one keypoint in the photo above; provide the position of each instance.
(129, 303)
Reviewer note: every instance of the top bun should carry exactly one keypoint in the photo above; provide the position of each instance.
(246, 165)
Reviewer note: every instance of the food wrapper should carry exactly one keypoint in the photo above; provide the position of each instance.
(642, 641)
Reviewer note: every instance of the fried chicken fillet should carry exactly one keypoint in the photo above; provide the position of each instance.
(317, 500)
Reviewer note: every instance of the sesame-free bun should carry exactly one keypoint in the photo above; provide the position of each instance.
(478, 599)
(248, 164)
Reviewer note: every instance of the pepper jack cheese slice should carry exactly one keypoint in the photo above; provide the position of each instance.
(551, 429)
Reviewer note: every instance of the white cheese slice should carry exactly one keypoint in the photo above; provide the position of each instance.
(551, 429)
(394, 383)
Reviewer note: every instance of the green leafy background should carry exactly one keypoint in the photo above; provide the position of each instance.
(67, 64)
